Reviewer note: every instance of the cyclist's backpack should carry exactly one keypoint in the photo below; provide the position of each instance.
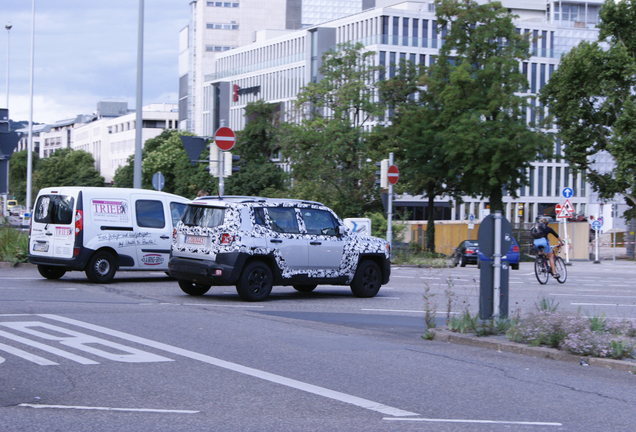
(536, 231)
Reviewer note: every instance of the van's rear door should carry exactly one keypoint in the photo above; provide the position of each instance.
(52, 229)
(153, 231)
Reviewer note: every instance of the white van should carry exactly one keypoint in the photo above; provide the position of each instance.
(100, 230)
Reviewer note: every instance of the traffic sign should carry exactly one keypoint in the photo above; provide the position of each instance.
(563, 213)
(568, 205)
(393, 174)
(596, 225)
(158, 181)
(224, 138)
(471, 218)
(567, 192)
(557, 208)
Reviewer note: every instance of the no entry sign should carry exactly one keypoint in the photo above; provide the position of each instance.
(224, 138)
(393, 175)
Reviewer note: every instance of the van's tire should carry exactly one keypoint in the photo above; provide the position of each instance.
(255, 283)
(367, 281)
(305, 288)
(192, 288)
(51, 272)
(101, 267)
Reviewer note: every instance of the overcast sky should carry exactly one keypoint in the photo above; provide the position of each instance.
(85, 52)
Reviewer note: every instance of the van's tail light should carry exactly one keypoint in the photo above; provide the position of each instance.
(79, 221)
(227, 239)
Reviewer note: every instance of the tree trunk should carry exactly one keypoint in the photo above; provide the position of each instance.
(430, 224)
(496, 200)
(630, 238)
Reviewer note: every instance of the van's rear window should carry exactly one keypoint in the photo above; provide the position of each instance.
(57, 209)
(203, 216)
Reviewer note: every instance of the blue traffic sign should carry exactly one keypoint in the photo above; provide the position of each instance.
(471, 218)
(596, 225)
(158, 181)
(567, 192)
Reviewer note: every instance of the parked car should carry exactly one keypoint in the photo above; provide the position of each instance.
(466, 253)
(17, 210)
(255, 243)
(512, 256)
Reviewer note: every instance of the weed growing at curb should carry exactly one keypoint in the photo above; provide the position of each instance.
(14, 245)
(430, 308)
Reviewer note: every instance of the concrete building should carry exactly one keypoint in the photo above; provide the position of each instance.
(219, 26)
(274, 69)
(111, 139)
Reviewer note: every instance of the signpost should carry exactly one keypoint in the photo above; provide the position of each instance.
(158, 181)
(224, 139)
(596, 226)
(564, 212)
(393, 175)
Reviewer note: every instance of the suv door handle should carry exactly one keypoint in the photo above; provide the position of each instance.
(276, 241)
(316, 243)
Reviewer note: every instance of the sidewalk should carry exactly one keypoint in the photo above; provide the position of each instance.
(500, 343)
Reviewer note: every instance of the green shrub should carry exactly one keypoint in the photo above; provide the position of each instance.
(14, 245)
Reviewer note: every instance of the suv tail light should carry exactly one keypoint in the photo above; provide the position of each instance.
(174, 233)
(227, 239)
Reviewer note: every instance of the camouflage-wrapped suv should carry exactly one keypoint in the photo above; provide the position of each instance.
(255, 243)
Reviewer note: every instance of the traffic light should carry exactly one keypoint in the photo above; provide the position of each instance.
(381, 175)
(213, 159)
(229, 160)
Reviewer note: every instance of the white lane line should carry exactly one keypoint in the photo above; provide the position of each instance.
(41, 346)
(475, 421)
(388, 298)
(109, 409)
(392, 310)
(256, 373)
(593, 295)
(603, 304)
(221, 305)
(26, 355)
(405, 277)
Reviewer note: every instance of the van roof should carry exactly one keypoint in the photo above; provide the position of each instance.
(105, 191)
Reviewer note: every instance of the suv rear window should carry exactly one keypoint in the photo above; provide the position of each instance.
(206, 217)
(56, 209)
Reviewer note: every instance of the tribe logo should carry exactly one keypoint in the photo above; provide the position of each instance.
(238, 91)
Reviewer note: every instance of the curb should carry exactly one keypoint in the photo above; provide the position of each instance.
(6, 264)
(444, 335)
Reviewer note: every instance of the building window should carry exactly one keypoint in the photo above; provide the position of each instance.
(382, 65)
(405, 31)
(540, 182)
(385, 29)
(416, 24)
(222, 4)
(425, 33)
(557, 183)
(222, 26)
(548, 182)
(217, 48)
(396, 30)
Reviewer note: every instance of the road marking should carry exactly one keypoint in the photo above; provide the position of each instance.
(256, 373)
(405, 277)
(110, 409)
(392, 310)
(52, 350)
(594, 295)
(221, 305)
(25, 355)
(475, 421)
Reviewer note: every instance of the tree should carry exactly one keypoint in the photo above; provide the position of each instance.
(592, 97)
(418, 149)
(327, 149)
(257, 144)
(165, 153)
(67, 167)
(18, 175)
(487, 143)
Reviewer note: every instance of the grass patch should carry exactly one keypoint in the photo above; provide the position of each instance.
(14, 245)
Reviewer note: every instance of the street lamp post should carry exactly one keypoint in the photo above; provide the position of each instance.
(8, 27)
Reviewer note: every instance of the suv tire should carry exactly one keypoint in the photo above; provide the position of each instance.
(192, 288)
(255, 283)
(367, 281)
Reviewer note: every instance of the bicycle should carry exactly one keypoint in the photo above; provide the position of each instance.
(542, 268)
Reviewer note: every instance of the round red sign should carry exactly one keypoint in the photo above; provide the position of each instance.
(393, 174)
(224, 138)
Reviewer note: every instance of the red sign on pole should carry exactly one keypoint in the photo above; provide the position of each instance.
(224, 138)
(393, 174)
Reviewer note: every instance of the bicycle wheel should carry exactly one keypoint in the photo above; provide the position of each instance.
(540, 270)
(561, 269)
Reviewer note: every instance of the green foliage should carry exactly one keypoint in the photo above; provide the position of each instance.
(18, 175)
(327, 147)
(597, 322)
(257, 144)
(465, 323)
(67, 167)
(487, 143)
(546, 304)
(592, 100)
(14, 245)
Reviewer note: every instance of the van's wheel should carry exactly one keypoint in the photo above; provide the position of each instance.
(305, 288)
(192, 288)
(101, 267)
(367, 281)
(51, 272)
(255, 283)
(463, 262)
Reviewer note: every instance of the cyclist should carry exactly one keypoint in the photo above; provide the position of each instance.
(542, 242)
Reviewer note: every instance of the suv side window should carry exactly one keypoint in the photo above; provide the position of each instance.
(150, 214)
(283, 219)
(319, 222)
(259, 216)
(176, 211)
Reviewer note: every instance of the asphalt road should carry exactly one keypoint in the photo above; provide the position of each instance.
(139, 355)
